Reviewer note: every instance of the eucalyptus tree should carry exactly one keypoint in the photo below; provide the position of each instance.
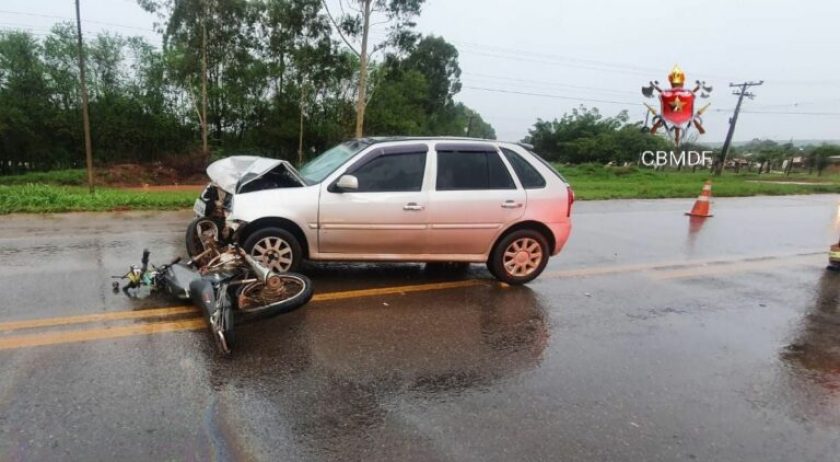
(209, 47)
(307, 68)
(355, 21)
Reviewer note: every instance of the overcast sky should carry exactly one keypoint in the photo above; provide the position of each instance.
(571, 52)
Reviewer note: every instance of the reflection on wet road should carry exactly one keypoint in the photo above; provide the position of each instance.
(650, 338)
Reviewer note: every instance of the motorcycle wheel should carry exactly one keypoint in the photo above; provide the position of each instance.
(298, 292)
(228, 328)
(193, 236)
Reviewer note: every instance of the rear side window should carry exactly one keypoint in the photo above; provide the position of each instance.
(392, 173)
(550, 167)
(528, 175)
(471, 170)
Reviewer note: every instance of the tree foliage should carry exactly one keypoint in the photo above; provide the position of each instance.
(585, 135)
(272, 67)
(821, 156)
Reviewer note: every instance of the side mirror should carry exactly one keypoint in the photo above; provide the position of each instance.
(347, 183)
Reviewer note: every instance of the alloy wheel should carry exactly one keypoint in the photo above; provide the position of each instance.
(522, 257)
(273, 252)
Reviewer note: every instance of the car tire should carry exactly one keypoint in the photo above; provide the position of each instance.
(276, 248)
(519, 257)
(194, 246)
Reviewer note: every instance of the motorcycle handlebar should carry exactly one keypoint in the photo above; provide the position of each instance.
(145, 260)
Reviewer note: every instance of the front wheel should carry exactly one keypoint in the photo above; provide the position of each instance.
(519, 257)
(275, 248)
(198, 231)
(225, 335)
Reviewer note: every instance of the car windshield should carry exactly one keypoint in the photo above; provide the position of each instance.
(320, 167)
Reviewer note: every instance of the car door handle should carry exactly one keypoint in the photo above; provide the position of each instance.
(510, 204)
(413, 207)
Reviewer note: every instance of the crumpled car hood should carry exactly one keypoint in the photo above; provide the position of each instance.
(227, 172)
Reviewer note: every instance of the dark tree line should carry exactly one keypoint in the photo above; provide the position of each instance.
(278, 82)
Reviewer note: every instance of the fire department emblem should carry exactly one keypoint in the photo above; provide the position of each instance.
(676, 114)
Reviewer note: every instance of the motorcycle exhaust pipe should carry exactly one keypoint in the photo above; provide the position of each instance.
(262, 273)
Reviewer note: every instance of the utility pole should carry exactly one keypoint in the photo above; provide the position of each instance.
(363, 69)
(204, 149)
(300, 131)
(741, 92)
(85, 116)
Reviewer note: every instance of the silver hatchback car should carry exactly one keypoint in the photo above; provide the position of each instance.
(393, 199)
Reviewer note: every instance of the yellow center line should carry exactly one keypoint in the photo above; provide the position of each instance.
(175, 310)
(661, 271)
(85, 335)
(96, 317)
(74, 336)
(343, 295)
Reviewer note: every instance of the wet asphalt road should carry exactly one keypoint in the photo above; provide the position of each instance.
(650, 337)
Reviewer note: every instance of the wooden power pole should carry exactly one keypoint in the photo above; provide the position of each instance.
(363, 69)
(300, 131)
(741, 92)
(204, 148)
(85, 116)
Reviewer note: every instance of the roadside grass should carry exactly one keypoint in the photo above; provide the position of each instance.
(43, 198)
(62, 190)
(74, 177)
(592, 182)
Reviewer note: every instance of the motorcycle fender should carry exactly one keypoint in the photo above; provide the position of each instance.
(203, 296)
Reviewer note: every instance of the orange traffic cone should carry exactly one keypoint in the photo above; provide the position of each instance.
(702, 206)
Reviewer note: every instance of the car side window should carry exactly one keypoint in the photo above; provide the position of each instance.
(392, 173)
(528, 175)
(471, 170)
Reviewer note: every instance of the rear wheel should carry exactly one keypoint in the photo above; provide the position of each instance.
(281, 294)
(276, 248)
(519, 257)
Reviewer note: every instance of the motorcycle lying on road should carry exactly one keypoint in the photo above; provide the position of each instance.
(227, 284)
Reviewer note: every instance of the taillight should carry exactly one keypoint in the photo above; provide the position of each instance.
(570, 195)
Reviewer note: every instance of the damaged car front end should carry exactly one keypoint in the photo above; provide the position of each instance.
(229, 177)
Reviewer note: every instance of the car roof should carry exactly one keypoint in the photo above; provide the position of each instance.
(387, 139)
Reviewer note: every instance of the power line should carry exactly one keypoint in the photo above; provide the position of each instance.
(518, 52)
(553, 63)
(804, 113)
(797, 104)
(627, 103)
(547, 95)
(66, 18)
(793, 113)
(553, 56)
(545, 83)
(625, 92)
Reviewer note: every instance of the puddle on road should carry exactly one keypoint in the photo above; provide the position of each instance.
(811, 362)
(332, 372)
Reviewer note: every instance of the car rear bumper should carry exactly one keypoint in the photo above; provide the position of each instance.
(561, 233)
